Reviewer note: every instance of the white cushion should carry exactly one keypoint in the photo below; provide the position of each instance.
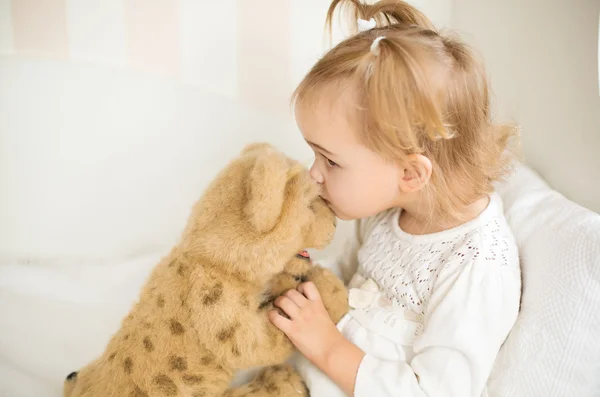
(57, 317)
(554, 348)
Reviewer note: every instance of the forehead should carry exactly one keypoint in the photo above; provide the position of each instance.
(328, 117)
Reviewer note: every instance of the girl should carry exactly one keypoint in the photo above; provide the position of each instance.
(398, 117)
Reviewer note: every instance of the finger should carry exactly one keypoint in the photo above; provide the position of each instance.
(280, 322)
(309, 289)
(296, 297)
(287, 305)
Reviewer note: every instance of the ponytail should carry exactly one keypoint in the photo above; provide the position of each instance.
(384, 12)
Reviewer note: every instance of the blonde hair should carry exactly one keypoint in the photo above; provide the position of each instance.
(420, 92)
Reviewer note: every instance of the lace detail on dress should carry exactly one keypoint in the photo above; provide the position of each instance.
(406, 270)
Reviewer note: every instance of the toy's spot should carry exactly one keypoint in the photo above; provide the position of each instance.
(126, 337)
(245, 301)
(227, 333)
(236, 352)
(192, 379)
(272, 388)
(137, 392)
(262, 377)
(213, 295)
(199, 394)
(176, 327)
(160, 302)
(206, 360)
(148, 345)
(165, 384)
(128, 365)
(267, 301)
(112, 356)
(301, 279)
(181, 269)
(178, 363)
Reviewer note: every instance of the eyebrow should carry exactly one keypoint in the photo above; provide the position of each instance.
(320, 147)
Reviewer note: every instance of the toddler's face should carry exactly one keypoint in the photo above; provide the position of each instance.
(356, 181)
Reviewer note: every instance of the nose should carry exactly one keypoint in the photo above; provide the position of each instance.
(315, 174)
(72, 376)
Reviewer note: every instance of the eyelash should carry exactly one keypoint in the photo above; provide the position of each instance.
(330, 163)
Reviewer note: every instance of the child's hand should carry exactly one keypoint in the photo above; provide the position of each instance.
(314, 334)
(309, 328)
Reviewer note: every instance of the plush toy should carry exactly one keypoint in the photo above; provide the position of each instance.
(202, 314)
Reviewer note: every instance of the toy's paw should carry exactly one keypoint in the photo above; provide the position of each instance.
(278, 286)
(332, 290)
(280, 380)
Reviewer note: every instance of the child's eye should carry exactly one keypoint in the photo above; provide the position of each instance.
(331, 163)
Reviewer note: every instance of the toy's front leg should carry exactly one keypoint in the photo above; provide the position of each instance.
(279, 380)
(276, 347)
(332, 290)
(301, 269)
(333, 293)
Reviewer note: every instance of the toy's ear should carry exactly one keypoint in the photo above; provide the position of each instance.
(266, 187)
(255, 146)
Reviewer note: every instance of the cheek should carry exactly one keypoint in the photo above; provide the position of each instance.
(342, 190)
(349, 197)
(367, 190)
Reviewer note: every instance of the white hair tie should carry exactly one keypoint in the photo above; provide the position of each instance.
(375, 45)
(366, 25)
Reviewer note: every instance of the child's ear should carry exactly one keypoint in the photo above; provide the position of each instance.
(266, 187)
(415, 173)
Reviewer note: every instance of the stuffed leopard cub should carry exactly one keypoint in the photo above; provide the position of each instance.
(202, 314)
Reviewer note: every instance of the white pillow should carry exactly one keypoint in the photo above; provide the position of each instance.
(554, 348)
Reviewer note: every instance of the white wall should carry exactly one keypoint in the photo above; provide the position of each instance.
(108, 136)
(104, 163)
(543, 59)
(115, 114)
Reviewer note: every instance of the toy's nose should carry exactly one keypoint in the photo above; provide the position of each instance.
(72, 375)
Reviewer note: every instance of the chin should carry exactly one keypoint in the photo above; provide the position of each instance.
(341, 216)
(347, 218)
(338, 214)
